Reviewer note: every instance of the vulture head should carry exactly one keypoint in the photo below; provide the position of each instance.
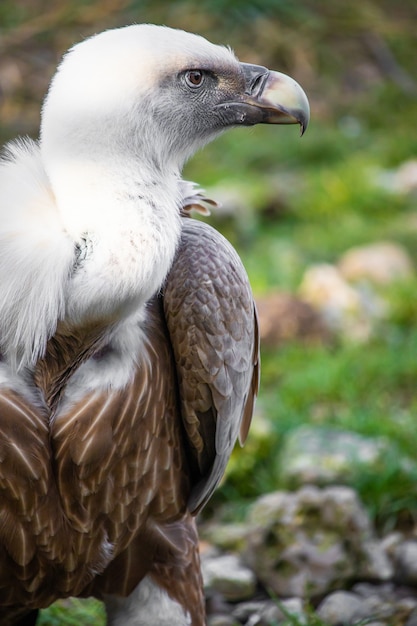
(160, 94)
(151, 96)
(128, 332)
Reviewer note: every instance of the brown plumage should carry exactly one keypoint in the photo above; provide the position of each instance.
(128, 330)
(129, 466)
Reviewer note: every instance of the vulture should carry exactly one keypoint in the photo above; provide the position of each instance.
(128, 333)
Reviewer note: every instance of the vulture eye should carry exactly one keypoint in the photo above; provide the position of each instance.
(194, 78)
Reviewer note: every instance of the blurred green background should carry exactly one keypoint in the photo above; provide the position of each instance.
(289, 204)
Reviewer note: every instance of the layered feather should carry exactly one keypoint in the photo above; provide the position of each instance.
(119, 403)
(36, 256)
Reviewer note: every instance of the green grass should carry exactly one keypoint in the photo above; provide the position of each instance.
(366, 389)
(73, 612)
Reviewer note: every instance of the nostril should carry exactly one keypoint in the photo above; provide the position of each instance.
(254, 77)
(257, 84)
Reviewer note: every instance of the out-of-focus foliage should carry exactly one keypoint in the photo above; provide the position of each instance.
(338, 51)
(73, 612)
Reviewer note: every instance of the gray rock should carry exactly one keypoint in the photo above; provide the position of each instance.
(406, 177)
(405, 561)
(229, 537)
(341, 608)
(386, 591)
(406, 606)
(284, 317)
(348, 310)
(269, 614)
(264, 613)
(323, 455)
(244, 610)
(312, 541)
(403, 611)
(381, 263)
(412, 619)
(386, 601)
(227, 575)
(391, 541)
(221, 620)
(375, 564)
(293, 607)
(375, 608)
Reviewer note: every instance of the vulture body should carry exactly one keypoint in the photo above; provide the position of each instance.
(128, 330)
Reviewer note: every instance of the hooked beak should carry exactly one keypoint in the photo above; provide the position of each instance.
(269, 98)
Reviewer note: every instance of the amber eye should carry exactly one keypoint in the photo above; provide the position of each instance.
(194, 78)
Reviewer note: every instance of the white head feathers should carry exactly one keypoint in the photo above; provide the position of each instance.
(121, 117)
(112, 76)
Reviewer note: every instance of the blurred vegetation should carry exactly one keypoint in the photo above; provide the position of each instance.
(304, 201)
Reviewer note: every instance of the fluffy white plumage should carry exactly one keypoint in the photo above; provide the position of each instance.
(157, 608)
(102, 168)
(35, 256)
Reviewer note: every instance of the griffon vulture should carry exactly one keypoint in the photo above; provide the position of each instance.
(129, 352)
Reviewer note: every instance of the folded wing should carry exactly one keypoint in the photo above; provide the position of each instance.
(211, 319)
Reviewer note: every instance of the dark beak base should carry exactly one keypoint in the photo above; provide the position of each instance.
(269, 98)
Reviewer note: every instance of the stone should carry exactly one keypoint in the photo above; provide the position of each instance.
(348, 311)
(412, 619)
(324, 455)
(245, 610)
(229, 537)
(267, 613)
(406, 177)
(294, 608)
(391, 541)
(228, 576)
(375, 564)
(386, 601)
(405, 607)
(381, 263)
(221, 620)
(264, 613)
(341, 608)
(386, 591)
(405, 562)
(284, 317)
(374, 607)
(400, 180)
(309, 542)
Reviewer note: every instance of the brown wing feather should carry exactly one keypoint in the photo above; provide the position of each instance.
(102, 484)
(79, 488)
(120, 458)
(26, 520)
(212, 323)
